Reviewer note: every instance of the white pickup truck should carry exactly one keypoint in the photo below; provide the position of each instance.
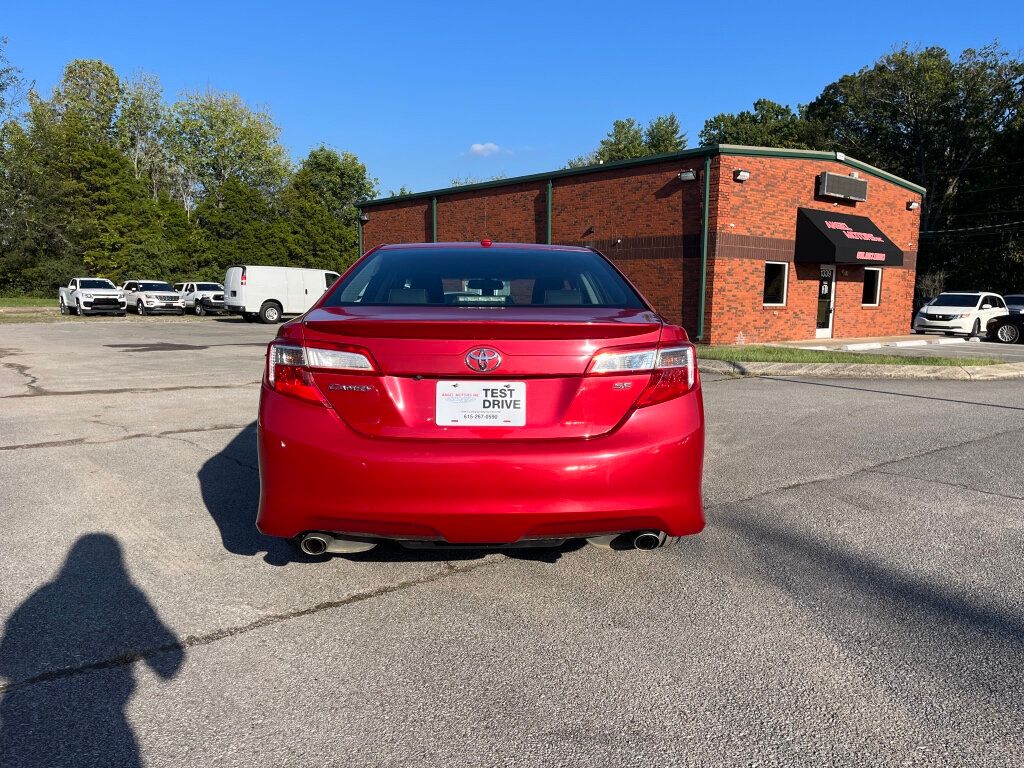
(91, 295)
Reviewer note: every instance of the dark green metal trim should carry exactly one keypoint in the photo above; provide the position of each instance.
(551, 189)
(433, 219)
(711, 151)
(704, 248)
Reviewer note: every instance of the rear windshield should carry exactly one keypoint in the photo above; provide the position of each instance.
(955, 300)
(485, 277)
(95, 284)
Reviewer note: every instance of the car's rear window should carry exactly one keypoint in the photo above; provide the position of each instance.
(955, 300)
(485, 277)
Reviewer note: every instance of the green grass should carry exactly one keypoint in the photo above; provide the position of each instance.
(27, 301)
(760, 354)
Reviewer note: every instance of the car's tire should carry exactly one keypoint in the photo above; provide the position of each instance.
(77, 309)
(948, 333)
(63, 307)
(181, 312)
(249, 317)
(917, 331)
(120, 314)
(140, 308)
(199, 309)
(975, 329)
(1007, 333)
(270, 313)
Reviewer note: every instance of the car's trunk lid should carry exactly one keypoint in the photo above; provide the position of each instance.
(544, 355)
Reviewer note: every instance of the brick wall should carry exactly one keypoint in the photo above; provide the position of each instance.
(648, 223)
(755, 221)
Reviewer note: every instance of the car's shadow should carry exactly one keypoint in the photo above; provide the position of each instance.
(230, 485)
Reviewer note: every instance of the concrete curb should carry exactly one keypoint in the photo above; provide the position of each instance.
(865, 370)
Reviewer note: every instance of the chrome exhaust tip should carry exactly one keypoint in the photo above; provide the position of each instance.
(314, 544)
(324, 543)
(648, 540)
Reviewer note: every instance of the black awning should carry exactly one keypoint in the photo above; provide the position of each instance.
(826, 237)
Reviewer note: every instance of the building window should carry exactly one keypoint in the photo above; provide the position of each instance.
(872, 286)
(775, 275)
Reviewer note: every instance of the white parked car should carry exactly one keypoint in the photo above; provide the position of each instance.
(202, 298)
(967, 313)
(149, 297)
(270, 293)
(87, 295)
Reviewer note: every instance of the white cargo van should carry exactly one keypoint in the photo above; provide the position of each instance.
(270, 293)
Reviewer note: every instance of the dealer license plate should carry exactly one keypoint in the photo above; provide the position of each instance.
(481, 403)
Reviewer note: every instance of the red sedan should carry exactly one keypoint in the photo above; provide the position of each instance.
(457, 394)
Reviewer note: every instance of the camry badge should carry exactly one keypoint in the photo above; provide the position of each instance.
(483, 359)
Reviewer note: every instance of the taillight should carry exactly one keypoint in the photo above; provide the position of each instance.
(243, 278)
(673, 370)
(290, 366)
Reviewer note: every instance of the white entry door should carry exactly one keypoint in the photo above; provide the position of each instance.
(826, 301)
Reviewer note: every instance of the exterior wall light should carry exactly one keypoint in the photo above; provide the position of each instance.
(363, 217)
(913, 205)
(740, 175)
(687, 175)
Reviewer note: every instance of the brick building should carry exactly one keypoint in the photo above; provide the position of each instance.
(739, 244)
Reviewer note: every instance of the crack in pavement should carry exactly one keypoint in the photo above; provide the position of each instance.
(862, 470)
(964, 486)
(22, 370)
(169, 434)
(38, 391)
(196, 641)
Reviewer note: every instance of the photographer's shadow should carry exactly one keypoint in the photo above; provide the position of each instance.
(67, 656)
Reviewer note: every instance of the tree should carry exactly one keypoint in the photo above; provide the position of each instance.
(87, 97)
(663, 134)
(769, 125)
(949, 126)
(628, 140)
(214, 136)
(319, 204)
(624, 141)
(10, 81)
(139, 131)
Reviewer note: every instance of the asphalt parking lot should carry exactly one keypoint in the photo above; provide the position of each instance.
(857, 596)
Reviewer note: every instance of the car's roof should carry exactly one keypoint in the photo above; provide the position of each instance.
(966, 293)
(479, 245)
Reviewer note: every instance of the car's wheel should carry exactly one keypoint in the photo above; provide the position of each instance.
(200, 309)
(140, 308)
(1007, 333)
(975, 330)
(63, 307)
(181, 312)
(121, 314)
(77, 309)
(917, 331)
(249, 317)
(948, 333)
(270, 312)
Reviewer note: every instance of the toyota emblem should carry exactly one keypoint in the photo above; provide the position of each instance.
(483, 359)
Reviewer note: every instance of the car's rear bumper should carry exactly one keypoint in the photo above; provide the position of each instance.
(317, 474)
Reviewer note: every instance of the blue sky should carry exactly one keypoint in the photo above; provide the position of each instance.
(412, 87)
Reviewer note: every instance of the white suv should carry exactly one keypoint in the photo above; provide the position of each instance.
(966, 313)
